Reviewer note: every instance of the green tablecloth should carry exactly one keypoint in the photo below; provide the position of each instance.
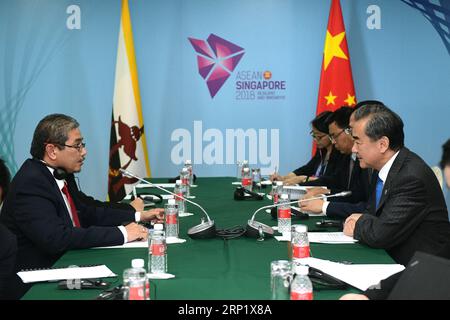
(213, 268)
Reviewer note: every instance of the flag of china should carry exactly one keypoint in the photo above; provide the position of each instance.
(336, 82)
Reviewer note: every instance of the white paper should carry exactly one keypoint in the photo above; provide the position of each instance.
(361, 276)
(284, 237)
(161, 276)
(303, 188)
(66, 273)
(266, 182)
(172, 240)
(162, 185)
(236, 183)
(142, 244)
(185, 214)
(330, 237)
(312, 214)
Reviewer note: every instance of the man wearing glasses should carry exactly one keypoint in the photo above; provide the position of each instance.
(46, 218)
(349, 177)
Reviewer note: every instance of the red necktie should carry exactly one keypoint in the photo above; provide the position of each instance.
(73, 209)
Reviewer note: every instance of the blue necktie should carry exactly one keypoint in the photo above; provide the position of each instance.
(379, 190)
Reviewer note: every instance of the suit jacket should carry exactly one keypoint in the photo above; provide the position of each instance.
(8, 251)
(35, 211)
(338, 181)
(310, 168)
(411, 216)
(341, 210)
(90, 201)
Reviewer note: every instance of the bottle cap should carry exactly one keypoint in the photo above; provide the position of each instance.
(171, 201)
(158, 226)
(301, 270)
(284, 196)
(301, 228)
(137, 263)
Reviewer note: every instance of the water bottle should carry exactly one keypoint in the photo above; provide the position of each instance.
(243, 166)
(284, 214)
(184, 177)
(171, 214)
(188, 165)
(299, 242)
(157, 260)
(301, 286)
(181, 203)
(247, 179)
(277, 190)
(256, 179)
(135, 281)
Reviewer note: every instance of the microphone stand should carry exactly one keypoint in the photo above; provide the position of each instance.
(203, 230)
(255, 228)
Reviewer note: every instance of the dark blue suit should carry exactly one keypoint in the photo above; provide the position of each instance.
(36, 213)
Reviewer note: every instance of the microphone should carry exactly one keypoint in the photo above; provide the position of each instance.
(257, 229)
(203, 230)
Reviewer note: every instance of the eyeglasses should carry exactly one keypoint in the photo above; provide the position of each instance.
(347, 131)
(78, 146)
(315, 136)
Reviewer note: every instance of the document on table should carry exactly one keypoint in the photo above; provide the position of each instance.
(142, 244)
(162, 185)
(361, 276)
(91, 272)
(330, 237)
(310, 213)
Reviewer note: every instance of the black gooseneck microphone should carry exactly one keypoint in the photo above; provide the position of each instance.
(204, 230)
(257, 229)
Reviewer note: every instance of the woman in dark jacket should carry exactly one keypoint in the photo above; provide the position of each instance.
(325, 159)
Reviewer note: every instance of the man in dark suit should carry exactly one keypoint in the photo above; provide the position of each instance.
(46, 219)
(407, 211)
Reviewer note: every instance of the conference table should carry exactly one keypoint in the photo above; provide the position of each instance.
(214, 268)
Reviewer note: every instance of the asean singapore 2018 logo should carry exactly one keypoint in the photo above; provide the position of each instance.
(218, 58)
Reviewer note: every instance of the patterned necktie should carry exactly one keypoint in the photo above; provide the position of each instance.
(379, 190)
(73, 209)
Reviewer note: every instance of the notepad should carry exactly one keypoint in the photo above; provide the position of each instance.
(91, 272)
(361, 276)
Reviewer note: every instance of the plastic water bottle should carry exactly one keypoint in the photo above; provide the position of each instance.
(247, 179)
(256, 179)
(188, 165)
(171, 213)
(301, 286)
(135, 281)
(277, 190)
(299, 242)
(157, 259)
(284, 214)
(243, 166)
(181, 203)
(184, 177)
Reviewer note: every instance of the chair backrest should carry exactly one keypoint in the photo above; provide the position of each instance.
(438, 172)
